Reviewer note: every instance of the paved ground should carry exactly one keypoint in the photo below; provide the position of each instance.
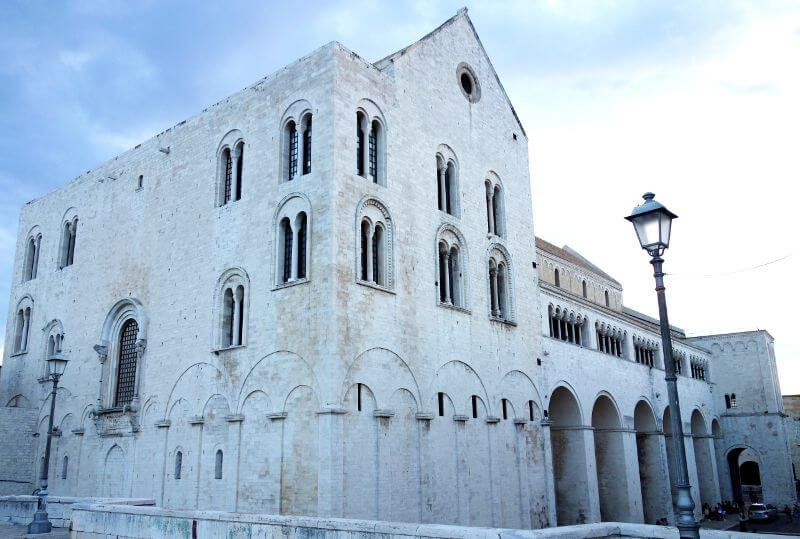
(779, 525)
(8, 530)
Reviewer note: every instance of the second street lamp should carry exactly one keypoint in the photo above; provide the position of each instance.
(653, 225)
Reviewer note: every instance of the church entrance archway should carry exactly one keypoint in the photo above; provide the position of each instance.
(745, 470)
(569, 458)
(610, 458)
(655, 490)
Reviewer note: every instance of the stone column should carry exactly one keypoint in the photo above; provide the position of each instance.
(331, 463)
(26, 326)
(496, 471)
(425, 462)
(716, 495)
(462, 494)
(523, 473)
(633, 483)
(235, 152)
(370, 232)
(198, 422)
(691, 465)
(141, 345)
(102, 354)
(668, 506)
(549, 486)
(442, 189)
(384, 476)
(35, 266)
(367, 140)
(164, 427)
(593, 492)
(235, 443)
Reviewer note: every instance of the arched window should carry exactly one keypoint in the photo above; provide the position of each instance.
(583, 286)
(565, 324)
(500, 285)
(232, 308)
(370, 142)
(32, 257)
(140, 182)
(64, 464)
(22, 324)
(451, 266)
(178, 464)
(69, 233)
(727, 401)
(292, 222)
(610, 339)
(607, 302)
(218, 465)
(126, 365)
(374, 236)
(733, 400)
(557, 278)
(504, 406)
(230, 167)
(447, 181)
(295, 140)
(495, 206)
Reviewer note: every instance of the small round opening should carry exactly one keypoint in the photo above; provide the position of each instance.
(466, 83)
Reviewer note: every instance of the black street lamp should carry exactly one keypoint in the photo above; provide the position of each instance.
(653, 224)
(56, 364)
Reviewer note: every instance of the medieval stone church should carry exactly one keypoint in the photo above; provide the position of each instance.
(324, 296)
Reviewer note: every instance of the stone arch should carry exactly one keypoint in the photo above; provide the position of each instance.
(457, 374)
(370, 119)
(30, 260)
(384, 372)
(278, 374)
(231, 147)
(19, 401)
(704, 456)
(656, 503)
(291, 208)
(495, 204)
(570, 470)
(295, 122)
(114, 472)
(449, 182)
(519, 389)
(743, 491)
(499, 261)
(196, 384)
(610, 459)
(23, 321)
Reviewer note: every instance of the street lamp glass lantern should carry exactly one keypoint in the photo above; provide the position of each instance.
(653, 224)
(56, 364)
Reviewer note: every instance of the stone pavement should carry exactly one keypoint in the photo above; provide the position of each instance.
(8, 530)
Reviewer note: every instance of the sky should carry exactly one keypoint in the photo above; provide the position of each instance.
(695, 101)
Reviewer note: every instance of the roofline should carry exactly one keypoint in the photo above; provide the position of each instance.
(711, 335)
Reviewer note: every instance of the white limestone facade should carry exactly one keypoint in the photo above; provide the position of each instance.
(350, 324)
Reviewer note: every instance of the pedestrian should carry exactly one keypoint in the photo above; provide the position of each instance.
(742, 521)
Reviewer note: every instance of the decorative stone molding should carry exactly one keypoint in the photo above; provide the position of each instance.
(492, 419)
(234, 418)
(460, 418)
(424, 416)
(566, 313)
(276, 416)
(102, 352)
(383, 413)
(163, 424)
(606, 328)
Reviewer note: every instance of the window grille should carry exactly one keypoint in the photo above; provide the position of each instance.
(364, 261)
(126, 370)
(287, 250)
(359, 147)
(733, 400)
(452, 275)
(239, 170)
(377, 237)
(442, 270)
(240, 298)
(301, 248)
(228, 176)
(307, 148)
(178, 464)
(373, 155)
(292, 150)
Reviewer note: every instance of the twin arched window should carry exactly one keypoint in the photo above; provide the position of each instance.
(32, 257)
(231, 167)
(447, 181)
(451, 266)
(375, 233)
(296, 146)
(370, 143)
(22, 326)
(500, 285)
(233, 305)
(69, 231)
(292, 225)
(495, 206)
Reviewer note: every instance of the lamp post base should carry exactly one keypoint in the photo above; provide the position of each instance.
(40, 524)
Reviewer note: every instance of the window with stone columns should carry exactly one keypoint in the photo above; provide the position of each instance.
(610, 339)
(495, 205)
(566, 325)
(123, 340)
(232, 308)
(679, 356)
(230, 168)
(370, 142)
(32, 248)
(374, 244)
(501, 289)
(54, 343)
(698, 369)
(292, 223)
(644, 351)
(295, 141)
(447, 181)
(451, 267)
(69, 231)
(22, 324)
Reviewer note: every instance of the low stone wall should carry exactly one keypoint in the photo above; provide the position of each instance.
(110, 521)
(20, 509)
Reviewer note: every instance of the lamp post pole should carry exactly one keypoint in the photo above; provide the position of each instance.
(687, 526)
(41, 522)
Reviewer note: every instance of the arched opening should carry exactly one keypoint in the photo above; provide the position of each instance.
(569, 459)
(218, 465)
(583, 286)
(655, 502)
(607, 302)
(745, 471)
(178, 464)
(610, 458)
(704, 461)
(286, 239)
(291, 150)
(557, 278)
(126, 364)
(378, 255)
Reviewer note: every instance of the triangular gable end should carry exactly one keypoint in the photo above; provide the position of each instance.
(460, 15)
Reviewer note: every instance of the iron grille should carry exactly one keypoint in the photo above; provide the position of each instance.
(376, 277)
(363, 252)
(301, 248)
(359, 151)
(373, 156)
(292, 152)
(239, 168)
(287, 251)
(126, 370)
(228, 176)
(307, 149)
